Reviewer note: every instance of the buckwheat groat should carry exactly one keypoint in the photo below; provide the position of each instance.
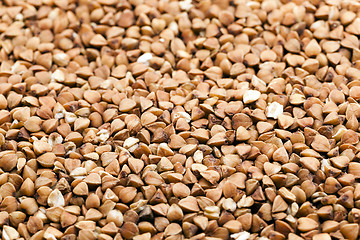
(166, 119)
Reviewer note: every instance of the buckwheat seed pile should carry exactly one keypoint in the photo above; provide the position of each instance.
(174, 120)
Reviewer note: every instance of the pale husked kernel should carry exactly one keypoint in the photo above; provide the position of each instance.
(10, 233)
(129, 142)
(240, 235)
(251, 96)
(198, 156)
(229, 204)
(183, 115)
(56, 199)
(145, 58)
(274, 110)
(58, 76)
(212, 212)
(61, 59)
